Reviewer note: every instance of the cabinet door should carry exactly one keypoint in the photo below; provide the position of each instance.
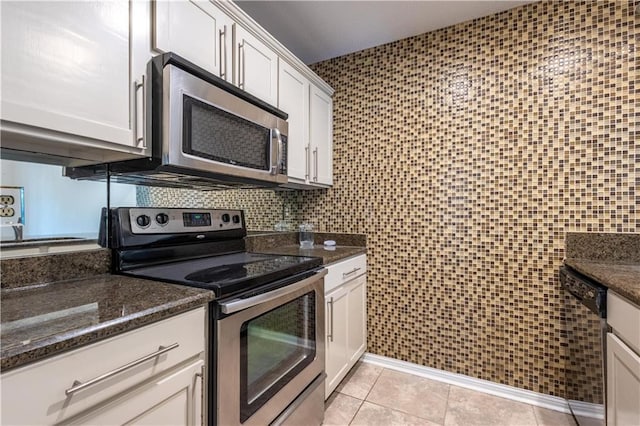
(256, 66)
(196, 30)
(623, 383)
(174, 399)
(36, 393)
(66, 67)
(293, 98)
(357, 324)
(336, 359)
(321, 136)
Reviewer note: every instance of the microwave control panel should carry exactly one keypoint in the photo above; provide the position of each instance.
(152, 220)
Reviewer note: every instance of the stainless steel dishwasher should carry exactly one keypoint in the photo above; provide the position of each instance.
(585, 328)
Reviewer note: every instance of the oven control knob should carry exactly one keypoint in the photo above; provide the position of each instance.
(226, 218)
(236, 218)
(162, 218)
(143, 220)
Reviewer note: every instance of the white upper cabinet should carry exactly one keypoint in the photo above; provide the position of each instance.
(69, 73)
(293, 98)
(310, 143)
(73, 85)
(256, 66)
(321, 136)
(196, 30)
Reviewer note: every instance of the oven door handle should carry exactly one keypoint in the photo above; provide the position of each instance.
(236, 305)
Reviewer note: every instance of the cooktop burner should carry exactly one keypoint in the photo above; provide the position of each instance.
(228, 274)
(196, 247)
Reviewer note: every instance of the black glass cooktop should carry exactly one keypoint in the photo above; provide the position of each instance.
(229, 274)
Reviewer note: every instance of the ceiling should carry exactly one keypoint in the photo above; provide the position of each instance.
(319, 30)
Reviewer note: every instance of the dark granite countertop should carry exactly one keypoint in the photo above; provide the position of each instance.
(287, 243)
(56, 302)
(42, 320)
(612, 259)
(328, 256)
(623, 278)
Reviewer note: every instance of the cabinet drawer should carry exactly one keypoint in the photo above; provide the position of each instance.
(343, 271)
(35, 394)
(624, 318)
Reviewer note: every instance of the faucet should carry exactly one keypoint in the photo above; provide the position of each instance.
(18, 228)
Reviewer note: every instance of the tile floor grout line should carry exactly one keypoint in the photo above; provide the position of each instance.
(412, 414)
(357, 411)
(374, 383)
(538, 421)
(399, 411)
(446, 406)
(365, 397)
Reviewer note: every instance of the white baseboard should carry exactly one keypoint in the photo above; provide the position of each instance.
(587, 409)
(504, 391)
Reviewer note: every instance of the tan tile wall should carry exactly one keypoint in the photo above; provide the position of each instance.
(465, 155)
(262, 208)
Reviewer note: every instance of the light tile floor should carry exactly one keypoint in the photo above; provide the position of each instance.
(372, 395)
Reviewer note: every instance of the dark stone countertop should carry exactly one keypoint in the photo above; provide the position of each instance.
(57, 302)
(287, 243)
(623, 278)
(612, 259)
(46, 319)
(328, 256)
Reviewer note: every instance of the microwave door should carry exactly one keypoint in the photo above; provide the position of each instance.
(208, 130)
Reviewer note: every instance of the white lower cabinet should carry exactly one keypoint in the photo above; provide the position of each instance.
(174, 399)
(336, 358)
(346, 311)
(623, 362)
(151, 375)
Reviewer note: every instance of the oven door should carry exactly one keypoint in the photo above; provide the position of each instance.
(270, 348)
(209, 129)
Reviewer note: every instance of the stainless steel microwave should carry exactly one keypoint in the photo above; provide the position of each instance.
(203, 132)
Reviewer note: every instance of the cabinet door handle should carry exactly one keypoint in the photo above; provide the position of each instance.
(353, 271)
(241, 65)
(315, 162)
(223, 53)
(140, 105)
(201, 376)
(330, 335)
(306, 162)
(78, 386)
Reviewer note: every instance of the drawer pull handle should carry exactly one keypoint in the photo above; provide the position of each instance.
(330, 336)
(353, 271)
(78, 386)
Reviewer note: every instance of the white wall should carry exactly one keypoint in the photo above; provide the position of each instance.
(56, 205)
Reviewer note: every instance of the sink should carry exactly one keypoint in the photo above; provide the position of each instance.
(44, 240)
(45, 245)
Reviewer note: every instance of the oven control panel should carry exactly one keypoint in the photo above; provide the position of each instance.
(152, 220)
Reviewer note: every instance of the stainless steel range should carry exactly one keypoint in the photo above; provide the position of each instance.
(266, 326)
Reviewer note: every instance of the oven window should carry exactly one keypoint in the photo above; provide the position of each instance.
(217, 135)
(274, 347)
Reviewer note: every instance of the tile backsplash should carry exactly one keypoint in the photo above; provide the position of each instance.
(263, 208)
(466, 155)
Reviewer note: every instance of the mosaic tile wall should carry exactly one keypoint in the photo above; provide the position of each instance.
(478, 146)
(465, 155)
(263, 208)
